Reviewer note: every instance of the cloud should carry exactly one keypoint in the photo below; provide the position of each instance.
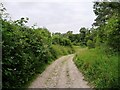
(48, 0)
(57, 17)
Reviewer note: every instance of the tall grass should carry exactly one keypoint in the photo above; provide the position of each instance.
(58, 50)
(99, 68)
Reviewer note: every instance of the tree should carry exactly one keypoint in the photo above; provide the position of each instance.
(3, 14)
(107, 23)
(21, 22)
(90, 44)
(112, 32)
(83, 31)
(104, 11)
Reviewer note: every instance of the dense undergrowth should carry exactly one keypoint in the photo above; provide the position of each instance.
(98, 67)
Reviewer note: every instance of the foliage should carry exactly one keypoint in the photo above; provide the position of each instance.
(83, 32)
(104, 11)
(23, 55)
(3, 14)
(112, 30)
(90, 44)
(56, 39)
(107, 24)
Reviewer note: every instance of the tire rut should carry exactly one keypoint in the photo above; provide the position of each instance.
(62, 73)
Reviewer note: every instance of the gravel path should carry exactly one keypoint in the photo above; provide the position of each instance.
(61, 74)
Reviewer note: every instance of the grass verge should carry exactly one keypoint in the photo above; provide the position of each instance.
(99, 68)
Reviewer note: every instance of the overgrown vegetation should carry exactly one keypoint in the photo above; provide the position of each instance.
(99, 68)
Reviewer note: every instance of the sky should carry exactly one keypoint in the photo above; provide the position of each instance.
(55, 15)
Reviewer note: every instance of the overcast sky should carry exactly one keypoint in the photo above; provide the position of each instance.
(56, 15)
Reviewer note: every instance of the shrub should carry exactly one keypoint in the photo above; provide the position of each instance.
(25, 53)
(61, 41)
(90, 44)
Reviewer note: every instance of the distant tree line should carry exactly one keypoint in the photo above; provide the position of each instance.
(105, 30)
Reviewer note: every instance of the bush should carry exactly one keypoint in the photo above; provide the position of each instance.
(61, 41)
(24, 53)
(90, 44)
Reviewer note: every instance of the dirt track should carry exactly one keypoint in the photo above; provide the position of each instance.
(61, 74)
